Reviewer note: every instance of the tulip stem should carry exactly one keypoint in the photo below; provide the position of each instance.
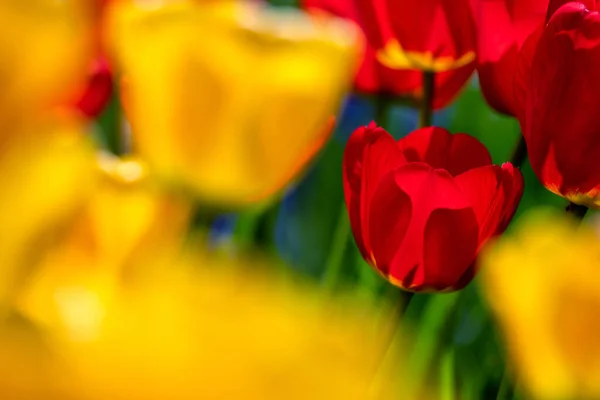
(111, 124)
(426, 114)
(505, 390)
(519, 154)
(382, 110)
(576, 210)
(335, 259)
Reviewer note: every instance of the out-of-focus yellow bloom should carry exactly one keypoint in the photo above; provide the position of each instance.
(46, 173)
(44, 46)
(230, 98)
(211, 332)
(127, 223)
(543, 282)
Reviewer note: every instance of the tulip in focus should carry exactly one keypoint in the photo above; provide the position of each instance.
(421, 208)
(405, 38)
(542, 282)
(558, 98)
(503, 27)
(231, 99)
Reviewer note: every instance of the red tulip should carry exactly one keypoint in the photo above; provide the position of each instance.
(504, 25)
(558, 90)
(409, 36)
(422, 207)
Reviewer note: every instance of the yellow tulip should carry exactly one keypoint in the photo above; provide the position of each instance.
(44, 48)
(46, 173)
(126, 223)
(543, 283)
(231, 99)
(212, 331)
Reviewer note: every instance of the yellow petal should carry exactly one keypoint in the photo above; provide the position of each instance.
(126, 225)
(46, 174)
(543, 284)
(231, 99)
(229, 336)
(44, 46)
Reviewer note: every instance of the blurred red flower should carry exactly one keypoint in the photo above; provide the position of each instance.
(422, 207)
(503, 27)
(98, 89)
(94, 94)
(557, 89)
(406, 37)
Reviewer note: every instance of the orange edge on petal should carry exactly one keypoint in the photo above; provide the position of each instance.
(590, 199)
(303, 159)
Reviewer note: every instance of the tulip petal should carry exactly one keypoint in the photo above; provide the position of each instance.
(449, 83)
(563, 100)
(98, 90)
(429, 190)
(369, 154)
(554, 5)
(441, 149)
(494, 193)
(450, 246)
(495, 79)
(522, 78)
(503, 28)
(513, 185)
(389, 217)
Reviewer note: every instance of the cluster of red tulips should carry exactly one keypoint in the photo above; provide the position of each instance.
(422, 207)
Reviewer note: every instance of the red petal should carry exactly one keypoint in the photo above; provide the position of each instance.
(451, 244)
(494, 193)
(504, 26)
(369, 154)
(495, 79)
(522, 77)
(563, 103)
(442, 27)
(513, 185)
(554, 5)
(428, 190)
(449, 83)
(441, 149)
(98, 90)
(390, 214)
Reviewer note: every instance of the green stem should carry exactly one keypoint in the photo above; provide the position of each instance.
(335, 259)
(426, 114)
(434, 331)
(448, 383)
(519, 154)
(382, 110)
(576, 210)
(254, 228)
(506, 387)
(111, 122)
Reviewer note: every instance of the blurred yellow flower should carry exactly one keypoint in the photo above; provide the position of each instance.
(44, 49)
(232, 99)
(125, 224)
(46, 172)
(543, 282)
(213, 331)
